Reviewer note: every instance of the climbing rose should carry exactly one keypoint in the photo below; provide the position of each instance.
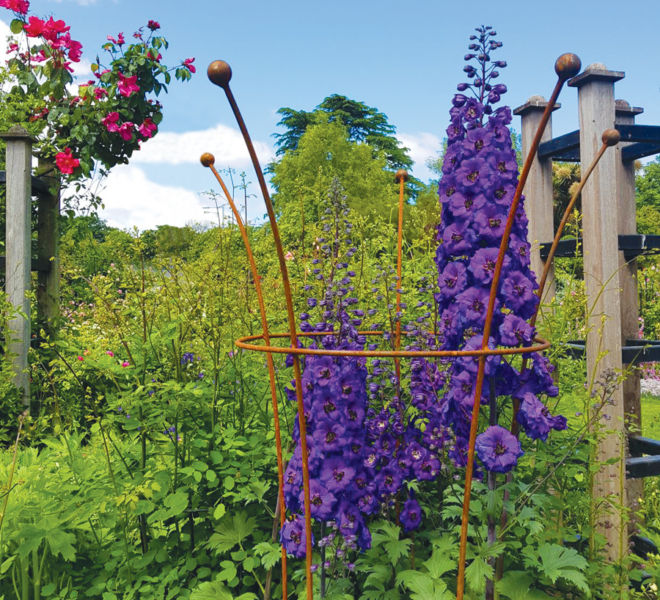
(19, 6)
(65, 162)
(126, 131)
(188, 64)
(153, 25)
(147, 129)
(127, 85)
(110, 121)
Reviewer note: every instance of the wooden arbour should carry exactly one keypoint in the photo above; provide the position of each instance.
(610, 245)
(21, 186)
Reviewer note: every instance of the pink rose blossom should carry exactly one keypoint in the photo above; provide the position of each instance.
(19, 6)
(34, 28)
(125, 364)
(153, 25)
(126, 131)
(147, 129)
(111, 121)
(100, 93)
(54, 28)
(127, 85)
(109, 352)
(80, 358)
(65, 161)
(188, 64)
(119, 40)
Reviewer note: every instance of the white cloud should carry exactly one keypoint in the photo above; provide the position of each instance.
(225, 143)
(132, 200)
(423, 146)
(4, 34)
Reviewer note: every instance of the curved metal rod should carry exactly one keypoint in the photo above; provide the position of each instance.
(242, 342)
(208, 160)
(219, 72)
(566, 66)
(401, 177)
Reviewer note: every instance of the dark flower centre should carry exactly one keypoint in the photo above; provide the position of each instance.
(330, 436)
(499, 449)
(501, 166)
(450, 191)
(473, 175)
(456, 237)
(499, 193)
(329, 407)
(479, 144)
(339, 475)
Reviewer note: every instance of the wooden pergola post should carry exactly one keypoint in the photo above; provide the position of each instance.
(18, 259)
(538, 190)
(603, 287)
(627, 213)
(48, 278)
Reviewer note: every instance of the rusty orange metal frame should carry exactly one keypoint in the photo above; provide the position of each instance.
(219, 73)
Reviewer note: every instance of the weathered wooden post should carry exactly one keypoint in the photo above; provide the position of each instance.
(627, 212)
(538, 191)
(48, 279)
(601, 271)
(18, 252)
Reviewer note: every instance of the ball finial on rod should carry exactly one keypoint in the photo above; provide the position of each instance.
(401, 174)
(219, 72)
(568, 65)
(611, 137)
(207, 159)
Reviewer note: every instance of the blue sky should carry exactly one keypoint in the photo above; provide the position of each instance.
(404, 59)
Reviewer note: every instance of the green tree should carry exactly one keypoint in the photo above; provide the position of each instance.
(364, 124)
(647, 190)
(303, 176)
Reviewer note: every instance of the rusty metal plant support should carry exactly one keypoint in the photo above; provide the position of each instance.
(219, 73)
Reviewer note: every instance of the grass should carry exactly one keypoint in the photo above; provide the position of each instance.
(651, 416)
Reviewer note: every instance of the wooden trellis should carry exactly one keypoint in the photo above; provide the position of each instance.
(21, 186)
(610, 245)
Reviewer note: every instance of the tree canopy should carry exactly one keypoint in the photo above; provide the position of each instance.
(364, 124)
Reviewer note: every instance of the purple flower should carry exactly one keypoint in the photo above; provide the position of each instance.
(411, 514)
(498, 449)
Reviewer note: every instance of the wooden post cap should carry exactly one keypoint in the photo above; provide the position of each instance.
(219, 72)
(401, 174)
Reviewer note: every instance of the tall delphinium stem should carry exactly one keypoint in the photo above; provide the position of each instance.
(481, 197)
(208, 161)
(492, 484)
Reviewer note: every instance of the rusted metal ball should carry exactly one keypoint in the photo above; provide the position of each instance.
(611, 137)
(219, 72)
(207, 159)
(568, 65)
(401, 175)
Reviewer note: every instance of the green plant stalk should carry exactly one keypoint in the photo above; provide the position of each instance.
(21, 419)
(116, 488)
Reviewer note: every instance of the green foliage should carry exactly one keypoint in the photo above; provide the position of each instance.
(364, 124)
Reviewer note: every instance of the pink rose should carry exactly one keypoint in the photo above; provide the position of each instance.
(126, 131)
(125, 364)
(111, 121)
(109, 352)
(147, 129)
(19, 6)
(188, 64)
(127, 85)
(65, 161)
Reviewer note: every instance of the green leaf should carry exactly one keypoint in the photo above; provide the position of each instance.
(16, 26)
(515, 585)
(228, 571)
(219, 511)
(558, 562)
(177, 502)
(476, 574)
(231, 531)
(396, 549)
(423, 587)
(269, 552)
(211, 590)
